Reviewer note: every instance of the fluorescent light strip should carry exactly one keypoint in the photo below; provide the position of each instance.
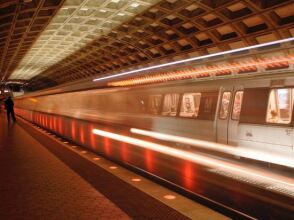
(196, 58)
(239, 151)
(176, 75)
(196, 158)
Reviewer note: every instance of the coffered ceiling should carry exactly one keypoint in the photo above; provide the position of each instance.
(88, 38)
(78, 23)
(21, 22)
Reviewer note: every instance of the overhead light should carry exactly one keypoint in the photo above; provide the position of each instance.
(84, 9)
(212, 70)
(120, 14)
(195, 59)
(115, 1)
(102, 10)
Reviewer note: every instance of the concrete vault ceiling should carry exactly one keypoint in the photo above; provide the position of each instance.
(88, 38)
(77, 23)
(21, 22)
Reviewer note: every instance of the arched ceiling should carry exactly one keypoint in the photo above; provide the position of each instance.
(77, 24)
(91, 37)
(21, 22)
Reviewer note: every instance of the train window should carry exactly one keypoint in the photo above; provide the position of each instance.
(190, 105)
(141, 103)
(225, 105)
(237, 105)
(154, 104)
(208, 105)
(170, 104)
(254, 105)
(280, 105)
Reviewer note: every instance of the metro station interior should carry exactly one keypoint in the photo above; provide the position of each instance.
(146, 109)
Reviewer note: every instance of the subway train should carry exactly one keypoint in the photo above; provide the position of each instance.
(253, 113)
(208, 138)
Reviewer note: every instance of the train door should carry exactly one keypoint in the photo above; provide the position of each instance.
(233, 121)
(223, 116)
(266, 120)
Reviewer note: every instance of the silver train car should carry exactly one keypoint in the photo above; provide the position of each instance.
(252, 113)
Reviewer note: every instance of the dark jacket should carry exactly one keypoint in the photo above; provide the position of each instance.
(9, 104)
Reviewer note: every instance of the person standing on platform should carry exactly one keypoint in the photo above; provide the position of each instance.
(9, 104)
(1, 105)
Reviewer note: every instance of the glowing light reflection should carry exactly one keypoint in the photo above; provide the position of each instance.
(197, 158)
(242, 152)
(73, 129)
(189, 175)
(92, 138)
(82, 134)
(136, 179)
(170, 197)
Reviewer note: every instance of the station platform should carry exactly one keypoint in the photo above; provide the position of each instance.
(59, 181)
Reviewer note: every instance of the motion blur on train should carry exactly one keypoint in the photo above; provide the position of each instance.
(252, 113)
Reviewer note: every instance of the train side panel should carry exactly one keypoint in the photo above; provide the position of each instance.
(130, 107)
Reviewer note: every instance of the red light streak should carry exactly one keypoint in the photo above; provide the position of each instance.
(60, 129)
(149, 160)
(189, 175)
(106, 146)
(204, 160)
(73, 129)
(51, 122)
(82, 134)
(55, 123)
(92, 138)
(46, 121)
(124, 152)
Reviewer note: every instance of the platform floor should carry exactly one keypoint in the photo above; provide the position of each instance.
(43, 181)
(35, 184)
